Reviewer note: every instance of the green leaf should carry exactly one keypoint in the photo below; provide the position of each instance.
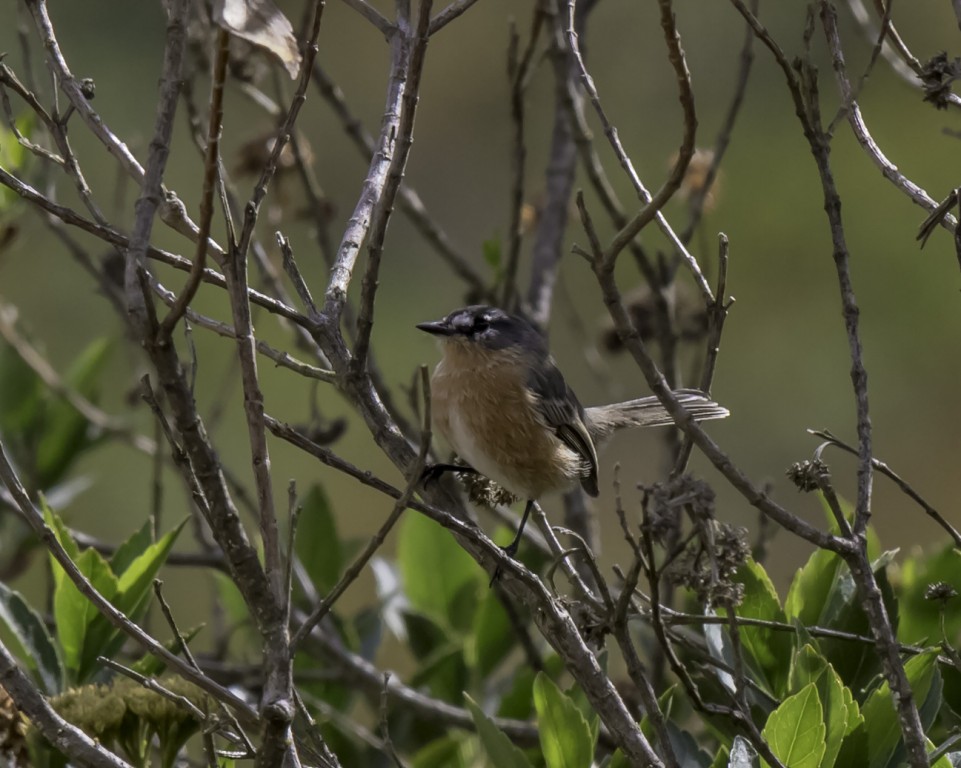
(318, 545)
(811, 668)
(491, 637)
(564, 733)
(885, 746)
(42, 657)
(768, 650)
(66, 429)
(60, 531)
(132, 548)
(497, 744)
(134, 589)
(856, 663)
(812, 587)
(74, 614)
(439, 578)
(795, 730)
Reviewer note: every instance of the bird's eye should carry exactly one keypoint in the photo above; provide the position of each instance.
(481, 324)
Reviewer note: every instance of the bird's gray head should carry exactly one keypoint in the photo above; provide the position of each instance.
(490, 327)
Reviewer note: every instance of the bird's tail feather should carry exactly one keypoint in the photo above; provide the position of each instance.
(648, 412)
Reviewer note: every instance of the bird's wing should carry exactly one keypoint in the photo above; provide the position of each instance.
(562, 412)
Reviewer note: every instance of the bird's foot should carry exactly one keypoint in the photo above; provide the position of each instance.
(432, 472)
(510, 550)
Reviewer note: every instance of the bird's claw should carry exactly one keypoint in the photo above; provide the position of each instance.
(510, 550)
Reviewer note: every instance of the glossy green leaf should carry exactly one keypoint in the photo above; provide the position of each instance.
(439, 578)
(62, 534)
(318, 544)
(811, 668)
(811, 588)
(501, 752)
(42, 657)
(768, 651)
(74, 614)
(795, 730)
(132, 548)
(856, 663)
(564, 734)
(134, 590)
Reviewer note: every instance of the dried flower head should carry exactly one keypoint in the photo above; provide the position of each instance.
(937, 75)
(664, 502)
(707, 567)
(808, 475)
(940, 591)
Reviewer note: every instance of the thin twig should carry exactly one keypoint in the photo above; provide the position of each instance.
(377, 540)
(446, 16)
(412, 50)
(410, 202)
(384, 725)
(906, 488)
(211, 164)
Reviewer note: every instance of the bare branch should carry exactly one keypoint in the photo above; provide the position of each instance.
(412, 50)
(211, 164)
(451, 12)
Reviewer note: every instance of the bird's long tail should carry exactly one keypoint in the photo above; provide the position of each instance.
(603, 420)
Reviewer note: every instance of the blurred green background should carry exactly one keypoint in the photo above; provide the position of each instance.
(784, 363)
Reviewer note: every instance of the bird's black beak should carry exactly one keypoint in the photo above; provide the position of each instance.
(437, 328)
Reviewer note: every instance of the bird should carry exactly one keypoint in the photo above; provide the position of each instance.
(500, 401)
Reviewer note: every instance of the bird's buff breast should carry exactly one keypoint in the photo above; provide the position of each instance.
(483, 409)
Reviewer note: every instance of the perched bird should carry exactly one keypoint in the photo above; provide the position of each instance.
(501, 402)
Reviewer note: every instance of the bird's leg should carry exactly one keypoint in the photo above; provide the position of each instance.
(511, 549)
(432, 472)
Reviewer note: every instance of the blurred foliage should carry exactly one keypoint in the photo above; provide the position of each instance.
(814, 690)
